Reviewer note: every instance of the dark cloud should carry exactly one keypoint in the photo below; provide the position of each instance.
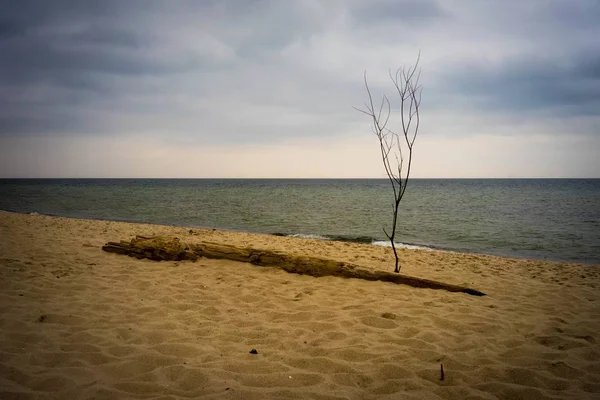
(268, 70)
(11, 28)
(53, 41)
(568, 85)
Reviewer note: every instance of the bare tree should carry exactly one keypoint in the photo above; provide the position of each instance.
(396, 146)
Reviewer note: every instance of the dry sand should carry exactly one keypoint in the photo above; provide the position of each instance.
(79, 323)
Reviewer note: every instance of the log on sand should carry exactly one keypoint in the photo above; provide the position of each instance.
(162, 248)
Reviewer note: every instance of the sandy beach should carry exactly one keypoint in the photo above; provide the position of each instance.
(79, 323)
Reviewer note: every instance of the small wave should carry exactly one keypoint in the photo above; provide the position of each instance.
(356, 239)
(336, 238)
(353, 239)
(386, 243)
(308, 236)
(34, 213)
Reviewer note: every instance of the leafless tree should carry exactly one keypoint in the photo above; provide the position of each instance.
(396, 148)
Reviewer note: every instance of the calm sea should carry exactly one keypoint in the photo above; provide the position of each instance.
(556, 219)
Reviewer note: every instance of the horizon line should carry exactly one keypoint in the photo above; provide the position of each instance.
(293, 178)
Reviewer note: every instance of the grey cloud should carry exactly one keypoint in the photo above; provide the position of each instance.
(568, 85)
(103, 72)
(11, 28)
(410, 11)
(268, 70)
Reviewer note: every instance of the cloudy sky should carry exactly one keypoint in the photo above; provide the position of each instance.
(263, 88)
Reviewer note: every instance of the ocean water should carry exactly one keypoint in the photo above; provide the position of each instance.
(555, 219)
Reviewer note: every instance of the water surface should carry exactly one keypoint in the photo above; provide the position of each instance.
(557, 219)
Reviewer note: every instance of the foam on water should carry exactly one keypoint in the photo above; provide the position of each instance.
(308, 236)
(386, 243)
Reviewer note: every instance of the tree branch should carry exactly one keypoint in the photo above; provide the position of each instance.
(406, 83)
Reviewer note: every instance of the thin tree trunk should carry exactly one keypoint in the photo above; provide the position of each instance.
(406, 82)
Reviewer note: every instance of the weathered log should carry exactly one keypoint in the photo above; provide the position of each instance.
(154, 248)
(172, 249)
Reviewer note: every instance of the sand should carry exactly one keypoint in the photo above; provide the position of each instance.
(80, 323)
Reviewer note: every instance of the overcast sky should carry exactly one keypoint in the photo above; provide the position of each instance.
(266, 88)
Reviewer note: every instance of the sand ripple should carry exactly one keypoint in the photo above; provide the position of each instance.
(83, 324)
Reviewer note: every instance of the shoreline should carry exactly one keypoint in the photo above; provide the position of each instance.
(82, 323)
(330, 238)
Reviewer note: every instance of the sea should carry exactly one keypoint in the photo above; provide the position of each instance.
(545, 219)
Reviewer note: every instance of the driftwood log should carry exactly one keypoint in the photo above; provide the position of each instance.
(172, 249)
